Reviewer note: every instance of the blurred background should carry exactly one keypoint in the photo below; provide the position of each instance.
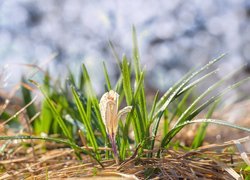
(174, 36)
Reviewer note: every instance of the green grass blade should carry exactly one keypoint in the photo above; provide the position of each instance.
(201, 132)
(185, 115)
(166, 95)
(155, 129)
(108, 84)
(213, 121)
(118, 61)
(136, 55)
(81, 80)
(174, 94)
(216, 97)
(85, 120)
(139, 125)
(193, 84)
(119, 88)
(132, 117)
(141, 99)
(186, 81)
(181, 105)
(46, 82)
(27, 97)
(71, 77)
(100, 123)
(126, 81)
(90, 93)
(95, 103)
(169, 136)
(190, 75)
(139, 87)
(89, 110)
(166, 122)
(139, 122)
(153, 108)
(57, 115)
(46, 118)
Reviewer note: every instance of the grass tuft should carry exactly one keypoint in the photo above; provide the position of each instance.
(71, 110)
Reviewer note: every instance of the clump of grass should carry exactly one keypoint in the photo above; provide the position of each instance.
(72, 111)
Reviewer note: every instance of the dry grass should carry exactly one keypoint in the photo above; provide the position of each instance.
(58, 162)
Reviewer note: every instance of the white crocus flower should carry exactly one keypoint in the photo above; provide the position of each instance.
(111, 116)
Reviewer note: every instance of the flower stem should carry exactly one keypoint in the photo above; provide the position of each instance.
(114, 148)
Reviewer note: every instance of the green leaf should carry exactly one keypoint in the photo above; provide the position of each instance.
(171, 134)
(193, 84)
(213, 121)
(132, 117)
(46, 118)
(181, 105)
(186, 115)
(90, 93)
(172, 94)
(46, 82)
(126, 81)
(153, 108)
(201, 132)
(56, 113)
(139, 124)
(140, 99)
(216, 97)
(27, 97)
(136, 55)
(183, 83)
(106, 77)
(118, 61)
(85, 120)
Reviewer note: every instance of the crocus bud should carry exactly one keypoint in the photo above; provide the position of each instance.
(110, 116)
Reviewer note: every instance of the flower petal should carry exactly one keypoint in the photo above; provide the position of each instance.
(124, 111)
(109, 111)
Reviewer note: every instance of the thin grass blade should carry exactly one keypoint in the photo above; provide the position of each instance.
(126, 81)
(85, 120)
(201, 132)
(118, 61)
(57, 115)
(108, 84)
(171, 134)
